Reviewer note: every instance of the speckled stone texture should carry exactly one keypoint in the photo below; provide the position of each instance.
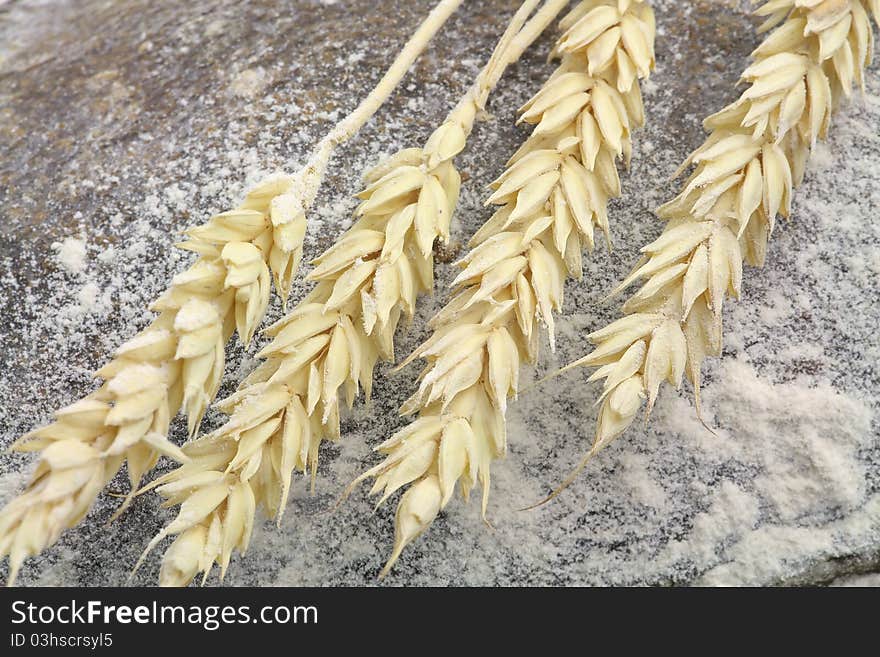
(123, 123)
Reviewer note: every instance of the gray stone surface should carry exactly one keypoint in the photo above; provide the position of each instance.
(123, 123)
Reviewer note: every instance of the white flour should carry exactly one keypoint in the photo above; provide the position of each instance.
(71, 254)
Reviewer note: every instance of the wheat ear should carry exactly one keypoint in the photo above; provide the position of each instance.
(330, 342)
(743, 178)
(178, 360)
(552, 196)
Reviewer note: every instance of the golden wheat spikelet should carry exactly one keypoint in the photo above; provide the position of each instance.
(178, 360)
(743, 177)
(329, 344)
(552, 196)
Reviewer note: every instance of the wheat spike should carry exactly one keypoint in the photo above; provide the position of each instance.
(178, 360)
(329, 344)
(743, 177)
(552, 197)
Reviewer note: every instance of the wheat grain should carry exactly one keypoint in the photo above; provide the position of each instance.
(330, 343)
(743, 177)
(178, 360)
(552, 196)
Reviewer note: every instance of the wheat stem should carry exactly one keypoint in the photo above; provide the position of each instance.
(552, 196)
(312, 174)
(178, 360)
(743, 177)
(329, 344)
